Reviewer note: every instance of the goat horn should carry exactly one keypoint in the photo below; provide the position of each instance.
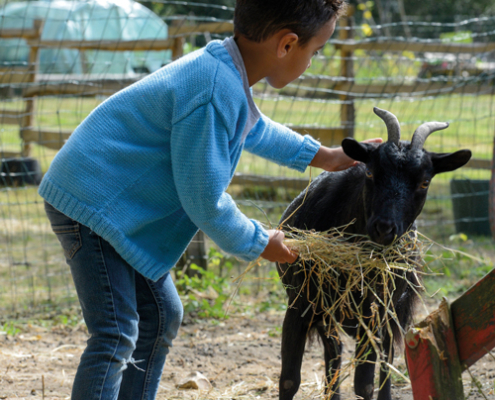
(392, 123)
(423, 131)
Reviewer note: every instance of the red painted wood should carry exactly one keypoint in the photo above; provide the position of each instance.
(432, 358)
(473, 317)
(421, 370)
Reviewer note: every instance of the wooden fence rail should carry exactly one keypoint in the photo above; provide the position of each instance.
(33, 33)
(421, 47)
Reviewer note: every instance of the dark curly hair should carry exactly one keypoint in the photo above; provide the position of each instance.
(257, 20)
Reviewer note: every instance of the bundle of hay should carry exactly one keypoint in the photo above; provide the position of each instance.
(367, 267)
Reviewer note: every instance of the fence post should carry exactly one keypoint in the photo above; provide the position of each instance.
(196, 253)
(347, 111)
(491, 194)
(27, 120)
(178, 46)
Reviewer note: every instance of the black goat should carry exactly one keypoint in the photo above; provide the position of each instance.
(384, 195)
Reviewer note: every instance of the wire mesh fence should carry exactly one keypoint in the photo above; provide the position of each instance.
(59, 60)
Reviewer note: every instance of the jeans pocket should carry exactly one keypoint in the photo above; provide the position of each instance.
(66, 229)
(69, 237)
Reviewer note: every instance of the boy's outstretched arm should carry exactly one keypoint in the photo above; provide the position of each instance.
(334, 159)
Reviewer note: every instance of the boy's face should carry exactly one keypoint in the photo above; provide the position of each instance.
(298, 59)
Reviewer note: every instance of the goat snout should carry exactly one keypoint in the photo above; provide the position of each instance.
(383, 231)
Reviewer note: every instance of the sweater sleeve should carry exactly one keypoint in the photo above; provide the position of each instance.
(202, 171)
(280, 144)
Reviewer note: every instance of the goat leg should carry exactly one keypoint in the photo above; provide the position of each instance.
(333, 359)
(385, 381)
(294, 332)
(365, 368)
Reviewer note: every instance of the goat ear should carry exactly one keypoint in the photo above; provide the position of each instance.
(356, 150)
(444, 162)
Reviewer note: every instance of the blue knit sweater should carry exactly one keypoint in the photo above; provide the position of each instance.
(150, 165)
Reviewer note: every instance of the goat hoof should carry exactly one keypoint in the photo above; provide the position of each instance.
(366, 392)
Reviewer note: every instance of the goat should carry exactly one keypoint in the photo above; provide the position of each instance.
(383, 195)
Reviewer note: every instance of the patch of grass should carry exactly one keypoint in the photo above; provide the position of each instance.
(56, 316)
(275, 331)
(10, 329)
(398, 379)
(453, 272)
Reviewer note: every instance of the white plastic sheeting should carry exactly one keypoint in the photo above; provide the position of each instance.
(84, 20)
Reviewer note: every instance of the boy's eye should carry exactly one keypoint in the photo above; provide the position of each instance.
(316, 53)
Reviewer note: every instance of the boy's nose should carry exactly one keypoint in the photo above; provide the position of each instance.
(309, 65)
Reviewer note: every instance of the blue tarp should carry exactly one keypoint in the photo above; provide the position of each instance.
(84, 20)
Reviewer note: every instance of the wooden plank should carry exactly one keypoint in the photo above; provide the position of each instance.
(417, 89)
(491, 194)
(48, 138)
(211, 27)
(123, 78)
(258, 180)
(477, 163)
(325, 86)
(108, 45)
(474, 320)
(196, 253)
(29, 108)
(432, 358)
(9, 154)
(21, 75)
(417, 47)
(94, 88)
(11, 117)
(327, 136)
(18, 33)
(178, 48)
(13, 75)
(347, 109)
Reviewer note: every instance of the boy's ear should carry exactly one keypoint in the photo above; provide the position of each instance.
(286, 43)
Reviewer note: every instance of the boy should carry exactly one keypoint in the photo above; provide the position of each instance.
(150, 166)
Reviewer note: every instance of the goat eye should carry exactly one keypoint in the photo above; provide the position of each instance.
(369, 174)
(425, 184)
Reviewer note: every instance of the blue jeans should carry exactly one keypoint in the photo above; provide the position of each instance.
(131, 319)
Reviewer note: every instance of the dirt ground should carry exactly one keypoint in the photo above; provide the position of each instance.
(240, 356)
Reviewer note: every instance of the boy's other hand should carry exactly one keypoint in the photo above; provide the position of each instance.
(334, 159)
(276, 250)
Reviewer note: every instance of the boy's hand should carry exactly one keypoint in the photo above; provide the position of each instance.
(334, 159)
(276, 250)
